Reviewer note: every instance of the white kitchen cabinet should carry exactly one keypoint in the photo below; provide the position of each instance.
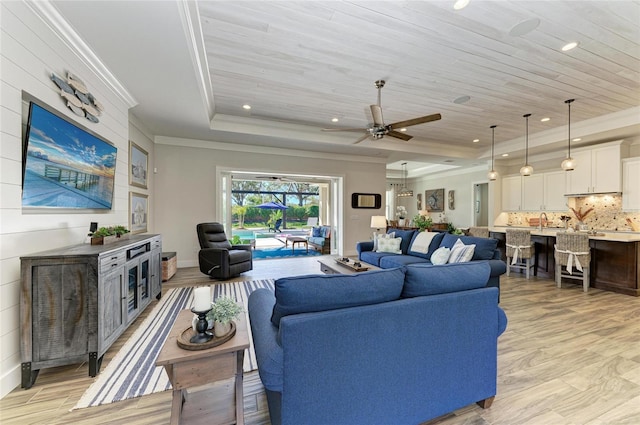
(554, 190)
(533, 192)
(631, 184)
(538, 192)
(511, 193)
(598, 170)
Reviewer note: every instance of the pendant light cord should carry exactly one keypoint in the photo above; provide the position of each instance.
(526, 139)
(568, 102)
(493, 138)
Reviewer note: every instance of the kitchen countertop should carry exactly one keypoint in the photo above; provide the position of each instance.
(551, 231)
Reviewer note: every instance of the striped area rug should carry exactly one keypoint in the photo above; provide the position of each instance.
(132, 372)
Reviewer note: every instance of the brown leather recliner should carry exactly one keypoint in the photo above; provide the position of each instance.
(217, 257)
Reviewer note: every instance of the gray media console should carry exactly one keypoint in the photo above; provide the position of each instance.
(76, 301)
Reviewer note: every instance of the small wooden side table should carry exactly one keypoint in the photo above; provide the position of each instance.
(187, 369)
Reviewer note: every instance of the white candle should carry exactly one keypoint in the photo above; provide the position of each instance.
(202, 299)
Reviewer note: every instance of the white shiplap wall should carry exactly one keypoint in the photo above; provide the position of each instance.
(30, 52)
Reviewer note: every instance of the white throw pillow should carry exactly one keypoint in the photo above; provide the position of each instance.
(389, 245)
(440, 256)
(377, 236)
(461, 253)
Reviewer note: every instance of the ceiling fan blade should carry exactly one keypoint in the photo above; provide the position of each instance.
(399, 135)
(363, 138)
(343, 129)
(376, 113)
(415, 121)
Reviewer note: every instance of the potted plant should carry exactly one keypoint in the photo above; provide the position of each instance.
(121, 231)
(423, 222)
(103, 235)
(223, 311)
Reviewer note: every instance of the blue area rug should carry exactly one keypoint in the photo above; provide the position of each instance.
(282, 252)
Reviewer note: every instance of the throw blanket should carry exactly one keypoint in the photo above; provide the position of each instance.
(422, 241)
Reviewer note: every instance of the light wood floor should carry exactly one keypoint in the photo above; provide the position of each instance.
(566, 358)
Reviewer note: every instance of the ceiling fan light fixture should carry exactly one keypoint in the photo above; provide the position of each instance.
(526, 169)
(569, 164)
(493, 174)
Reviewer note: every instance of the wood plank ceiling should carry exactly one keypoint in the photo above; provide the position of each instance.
(308, 62)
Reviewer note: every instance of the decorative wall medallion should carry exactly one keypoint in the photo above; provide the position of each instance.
(78, 98)
(452, 200)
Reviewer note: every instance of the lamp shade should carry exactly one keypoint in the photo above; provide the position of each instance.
(378, 222)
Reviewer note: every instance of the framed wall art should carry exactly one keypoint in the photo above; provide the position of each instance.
(419, 201)
(138, 165)
(434, 200)
(138, 212)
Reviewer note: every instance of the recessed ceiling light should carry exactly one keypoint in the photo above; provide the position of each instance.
(476, 140)
(403, 129)
(462, 99)
(577, 139)
(460, 4)
(524, 27)
(246, 106)
(505, 154)
(569, 46)
(334, 120)
(545, 119)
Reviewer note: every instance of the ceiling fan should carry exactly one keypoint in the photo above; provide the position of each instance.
(282, 179)
(379, 129)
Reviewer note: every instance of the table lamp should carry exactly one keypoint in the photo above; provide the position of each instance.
(378, 222)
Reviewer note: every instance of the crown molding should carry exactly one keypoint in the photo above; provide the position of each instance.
(190, 17)
(47, 12)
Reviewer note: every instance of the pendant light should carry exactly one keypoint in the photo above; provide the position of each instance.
(527, 169)
(569, 163)
(404, 191)
(493, 174)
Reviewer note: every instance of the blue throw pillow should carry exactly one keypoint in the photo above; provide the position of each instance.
(433, 246)
(306, 294)
(427, 279)
(485, 247)
(406, 235)
(316, 232)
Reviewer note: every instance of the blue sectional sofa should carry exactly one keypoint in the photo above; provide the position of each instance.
(397, 346)
(486, 249)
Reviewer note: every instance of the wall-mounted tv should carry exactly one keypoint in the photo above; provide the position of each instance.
(65, 165)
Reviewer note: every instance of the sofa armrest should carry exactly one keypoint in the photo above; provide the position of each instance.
(502, 321)
(265, 342)
(364, 246)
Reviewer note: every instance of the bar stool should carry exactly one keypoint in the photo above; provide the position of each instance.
(520, 250)
(479, 232)
(572, 250)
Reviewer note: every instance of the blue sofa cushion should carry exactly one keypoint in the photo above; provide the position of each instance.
(312, 293)
(423, 279)
(398, 260)
(435, 244)
(317, 232)
(485, 247)
(373, 257)
(316, 240)
(407, 237)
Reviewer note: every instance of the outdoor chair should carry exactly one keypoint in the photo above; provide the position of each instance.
(217, 257)
(276, 227)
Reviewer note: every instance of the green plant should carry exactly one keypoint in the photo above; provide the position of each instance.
(422, 222)
(120, 230)
(235, 240)
(103, 231)
(224, 310)
(453, 230)
(110, 231)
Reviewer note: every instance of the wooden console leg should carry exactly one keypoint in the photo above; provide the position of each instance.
(486, 403)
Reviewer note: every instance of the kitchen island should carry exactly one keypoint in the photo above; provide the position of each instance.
(615, 257)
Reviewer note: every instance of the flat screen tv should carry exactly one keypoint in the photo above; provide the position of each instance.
(65, 165)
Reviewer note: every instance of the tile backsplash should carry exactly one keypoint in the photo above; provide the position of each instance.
(607, 214)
